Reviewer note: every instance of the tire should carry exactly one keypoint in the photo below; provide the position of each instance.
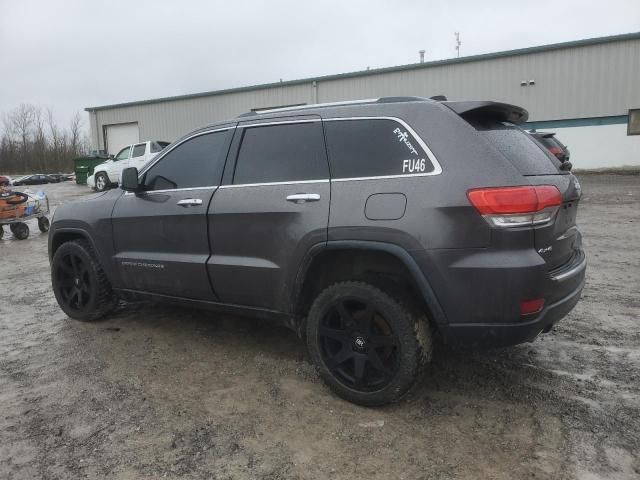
(102, 182)
(79, 282)
(369, 348)
(43, 224)
(1, 231)
(20, 230)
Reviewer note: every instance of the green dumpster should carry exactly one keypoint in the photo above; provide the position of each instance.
(83, 167)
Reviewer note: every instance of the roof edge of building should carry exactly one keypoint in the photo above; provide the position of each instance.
(364, 73)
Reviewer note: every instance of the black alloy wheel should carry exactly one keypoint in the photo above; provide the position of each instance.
(358, 345)
(79, 282)
(73, 281)
(369, 347)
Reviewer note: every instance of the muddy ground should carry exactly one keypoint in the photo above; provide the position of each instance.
(160, 392)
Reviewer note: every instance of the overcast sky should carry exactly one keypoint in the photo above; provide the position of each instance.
(71, 54)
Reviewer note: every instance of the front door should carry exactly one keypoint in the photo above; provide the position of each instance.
(160, 235)
(273, 208)
(120, 162)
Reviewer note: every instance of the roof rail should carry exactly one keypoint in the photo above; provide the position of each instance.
(336, 104)
(400, 99)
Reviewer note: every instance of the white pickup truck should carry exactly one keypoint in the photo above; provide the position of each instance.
(137, 155)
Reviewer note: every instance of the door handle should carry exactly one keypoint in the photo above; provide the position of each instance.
(190, 202)
(303, 197)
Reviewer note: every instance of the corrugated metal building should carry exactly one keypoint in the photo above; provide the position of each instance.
(585, 90)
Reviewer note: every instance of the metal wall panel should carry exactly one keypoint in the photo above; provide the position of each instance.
(583, 81)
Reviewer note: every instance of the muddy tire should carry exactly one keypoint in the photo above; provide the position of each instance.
(79, 282)
(368, 347)
(102, 182)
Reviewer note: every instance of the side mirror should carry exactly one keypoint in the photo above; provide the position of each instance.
(129, 180)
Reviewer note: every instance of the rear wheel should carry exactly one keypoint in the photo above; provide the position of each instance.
(367, 346)
(102, 182)
(79, 282)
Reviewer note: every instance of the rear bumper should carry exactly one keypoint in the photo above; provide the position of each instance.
(489, 335)
(483, 290)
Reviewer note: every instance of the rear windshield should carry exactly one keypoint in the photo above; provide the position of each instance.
(528, 156)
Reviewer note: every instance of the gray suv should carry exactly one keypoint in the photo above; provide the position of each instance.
(367, 227)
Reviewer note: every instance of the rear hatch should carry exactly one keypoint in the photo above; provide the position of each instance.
(557, 241)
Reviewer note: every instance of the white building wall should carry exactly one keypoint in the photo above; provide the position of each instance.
(600, 146)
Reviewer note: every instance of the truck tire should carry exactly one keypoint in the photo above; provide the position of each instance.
(368, 347)
(102, 182)
(79, 282)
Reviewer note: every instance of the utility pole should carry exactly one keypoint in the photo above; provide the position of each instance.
(458, 42)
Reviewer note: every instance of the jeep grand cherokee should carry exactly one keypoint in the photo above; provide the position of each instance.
(368, 227)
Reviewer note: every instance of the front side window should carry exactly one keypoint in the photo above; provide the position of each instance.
(138, 150)
(372, 148)
(123, 154)
(281, 153)
(197, 162)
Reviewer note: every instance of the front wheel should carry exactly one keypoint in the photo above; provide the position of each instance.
(102, 182)
(20, 230)
(43, 224)
(367, 346)
(79, 282)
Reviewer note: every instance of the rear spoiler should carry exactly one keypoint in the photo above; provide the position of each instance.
(487, 109)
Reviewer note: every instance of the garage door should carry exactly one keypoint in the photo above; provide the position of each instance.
(120, 135)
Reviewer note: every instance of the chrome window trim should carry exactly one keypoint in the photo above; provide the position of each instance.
(151, 192)
(268, 184)
(437, 168)
(165, 151)
(279, 122)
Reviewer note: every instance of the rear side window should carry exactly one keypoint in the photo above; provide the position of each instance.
(157, 146)
(529, 157)
(281, 153)
(372, 148)
(138, 150)
(198, 162)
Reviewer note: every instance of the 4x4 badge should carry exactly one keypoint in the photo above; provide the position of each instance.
(548, 249)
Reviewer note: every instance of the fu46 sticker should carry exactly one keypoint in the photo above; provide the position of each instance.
(414, 165)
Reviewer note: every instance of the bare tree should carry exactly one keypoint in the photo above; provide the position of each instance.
(75, 134)
(21, 123)
(39, 139)
(30, 139)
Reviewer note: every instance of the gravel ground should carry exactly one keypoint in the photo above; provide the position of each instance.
(155, 392)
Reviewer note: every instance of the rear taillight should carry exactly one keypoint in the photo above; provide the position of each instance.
(516, 206)
(557, 151)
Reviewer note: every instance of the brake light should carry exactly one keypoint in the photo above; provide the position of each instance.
(516, 206)
(557, 151)
(529, 307)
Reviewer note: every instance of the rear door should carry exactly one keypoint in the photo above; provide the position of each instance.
(272, 209)
(160, 235)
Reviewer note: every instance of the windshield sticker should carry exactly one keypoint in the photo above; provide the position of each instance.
(414, 165)
(404, 138)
